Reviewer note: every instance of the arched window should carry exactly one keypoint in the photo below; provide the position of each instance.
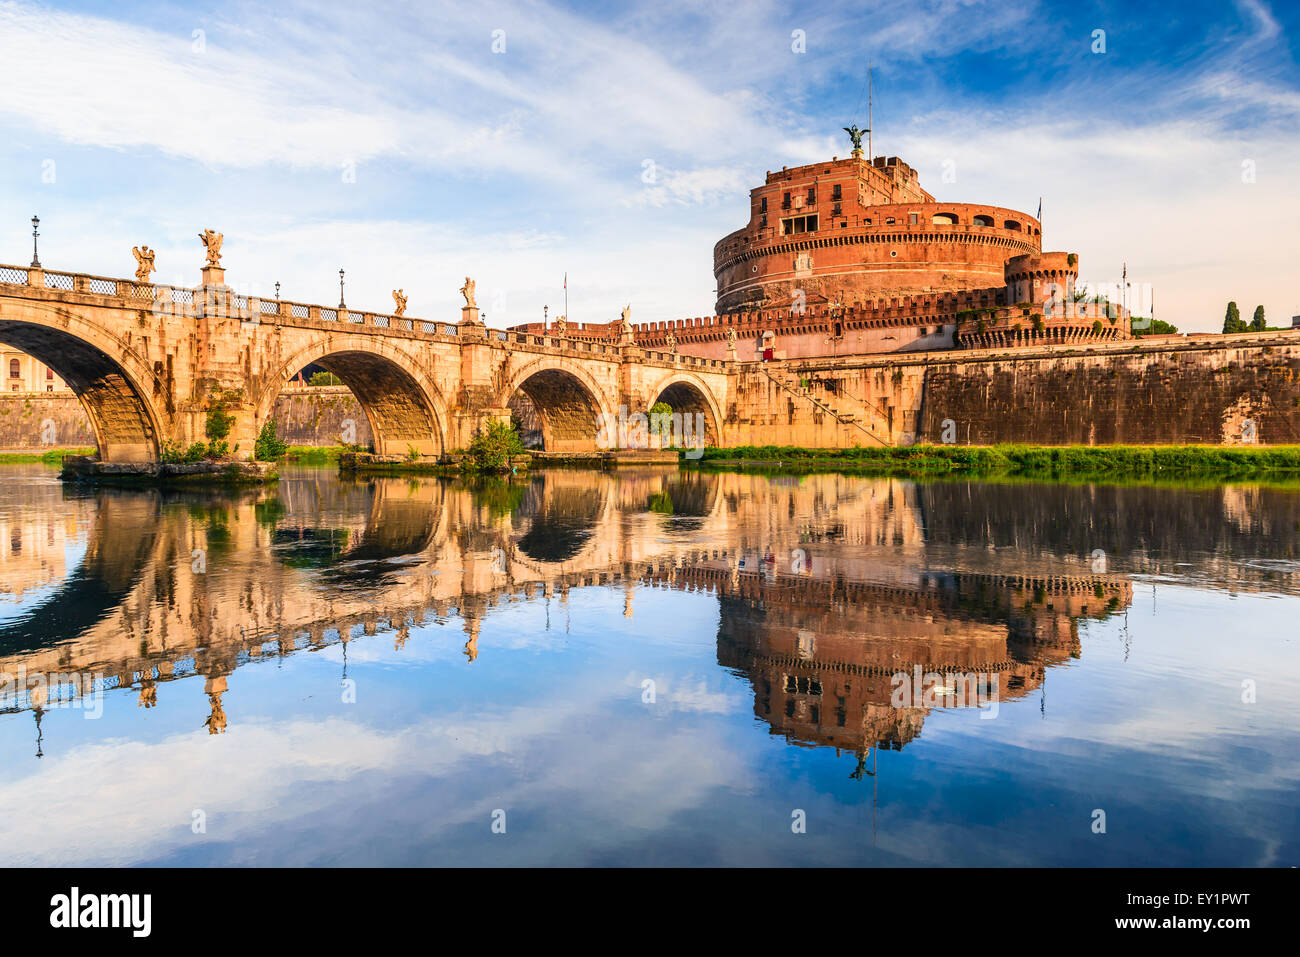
(945, 219)
(13, 369)
(982, 220)
(1011, 224)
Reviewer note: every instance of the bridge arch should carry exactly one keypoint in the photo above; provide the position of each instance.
(568, 402)
(404, 407)
(688, 394)
(114, 384)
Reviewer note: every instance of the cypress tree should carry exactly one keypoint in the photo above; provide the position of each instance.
(1232, 319)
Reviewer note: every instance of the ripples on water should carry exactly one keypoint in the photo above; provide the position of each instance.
(648, 668)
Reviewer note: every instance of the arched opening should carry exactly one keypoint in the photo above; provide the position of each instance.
(556, 412)
(560, 516)
(1011, 224)
(945, 219)
(123, 422)
(687, 399)
(982, 220)
(397, 413)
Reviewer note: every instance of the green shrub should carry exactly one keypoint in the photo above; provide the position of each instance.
(219, 422)
(269, 447)
(492, 448)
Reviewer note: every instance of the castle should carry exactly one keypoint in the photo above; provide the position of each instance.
(853, 256)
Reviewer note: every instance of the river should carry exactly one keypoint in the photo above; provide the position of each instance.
(649, 668)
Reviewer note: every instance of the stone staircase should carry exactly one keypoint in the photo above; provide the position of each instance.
(847, 417)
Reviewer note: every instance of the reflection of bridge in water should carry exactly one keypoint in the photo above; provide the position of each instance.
(827, 586)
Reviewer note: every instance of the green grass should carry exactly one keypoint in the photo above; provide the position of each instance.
(52, 457)
(314, 454)
(1055, 463)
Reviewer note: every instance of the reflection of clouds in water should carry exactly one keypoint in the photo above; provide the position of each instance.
(690, 693)
(261, 785)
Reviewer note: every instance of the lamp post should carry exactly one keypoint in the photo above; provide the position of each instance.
(277, 292)
(342, 304)
(36, 260)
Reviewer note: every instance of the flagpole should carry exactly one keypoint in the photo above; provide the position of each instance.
(566, 296)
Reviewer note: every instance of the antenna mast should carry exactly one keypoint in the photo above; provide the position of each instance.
(870, 155)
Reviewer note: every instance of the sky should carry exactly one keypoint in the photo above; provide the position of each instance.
(413, 144)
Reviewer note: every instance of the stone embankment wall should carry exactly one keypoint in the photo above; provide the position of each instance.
(309, 416)
(34, 420)
(1194, 389)
(320, 416)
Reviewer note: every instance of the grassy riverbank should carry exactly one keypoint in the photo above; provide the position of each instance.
(1089, 462)
(315, 454)
(52, 457)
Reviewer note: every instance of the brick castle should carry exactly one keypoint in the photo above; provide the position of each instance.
(853, 256)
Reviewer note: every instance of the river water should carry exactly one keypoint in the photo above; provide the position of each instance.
(649, 668)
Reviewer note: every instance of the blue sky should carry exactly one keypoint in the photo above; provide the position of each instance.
(392, 140)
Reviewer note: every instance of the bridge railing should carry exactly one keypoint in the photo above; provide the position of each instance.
(189, 301)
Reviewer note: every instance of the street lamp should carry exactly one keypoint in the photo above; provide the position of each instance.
(36, 260)
(277, 292)
(342, 305)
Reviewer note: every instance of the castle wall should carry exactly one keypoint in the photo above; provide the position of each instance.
(1197, 389)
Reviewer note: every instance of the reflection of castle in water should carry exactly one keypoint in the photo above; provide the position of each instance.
(827, 656)
(827, 585)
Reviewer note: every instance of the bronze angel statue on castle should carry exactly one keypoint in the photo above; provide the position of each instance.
(855, 135)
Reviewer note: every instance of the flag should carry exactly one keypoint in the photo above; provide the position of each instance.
(1039, 217)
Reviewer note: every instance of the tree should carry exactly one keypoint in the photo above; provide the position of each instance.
(1232, 321)
(1257, 323)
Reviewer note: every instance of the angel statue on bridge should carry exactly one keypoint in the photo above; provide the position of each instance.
(212, 243)
(467, 291)
(143, 262)
(561, 327)
(399, 297)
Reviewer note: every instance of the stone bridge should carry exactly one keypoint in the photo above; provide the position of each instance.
(148, 362)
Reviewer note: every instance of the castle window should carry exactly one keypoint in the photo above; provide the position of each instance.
(911, 219)
(798, 224)
(1011, 224)
(49, 373)
(945, 219)
(785, 202)
(889, 220)
(835, 192)
(983, 220)
(763, 205)
(812, 195)
(13, 369)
